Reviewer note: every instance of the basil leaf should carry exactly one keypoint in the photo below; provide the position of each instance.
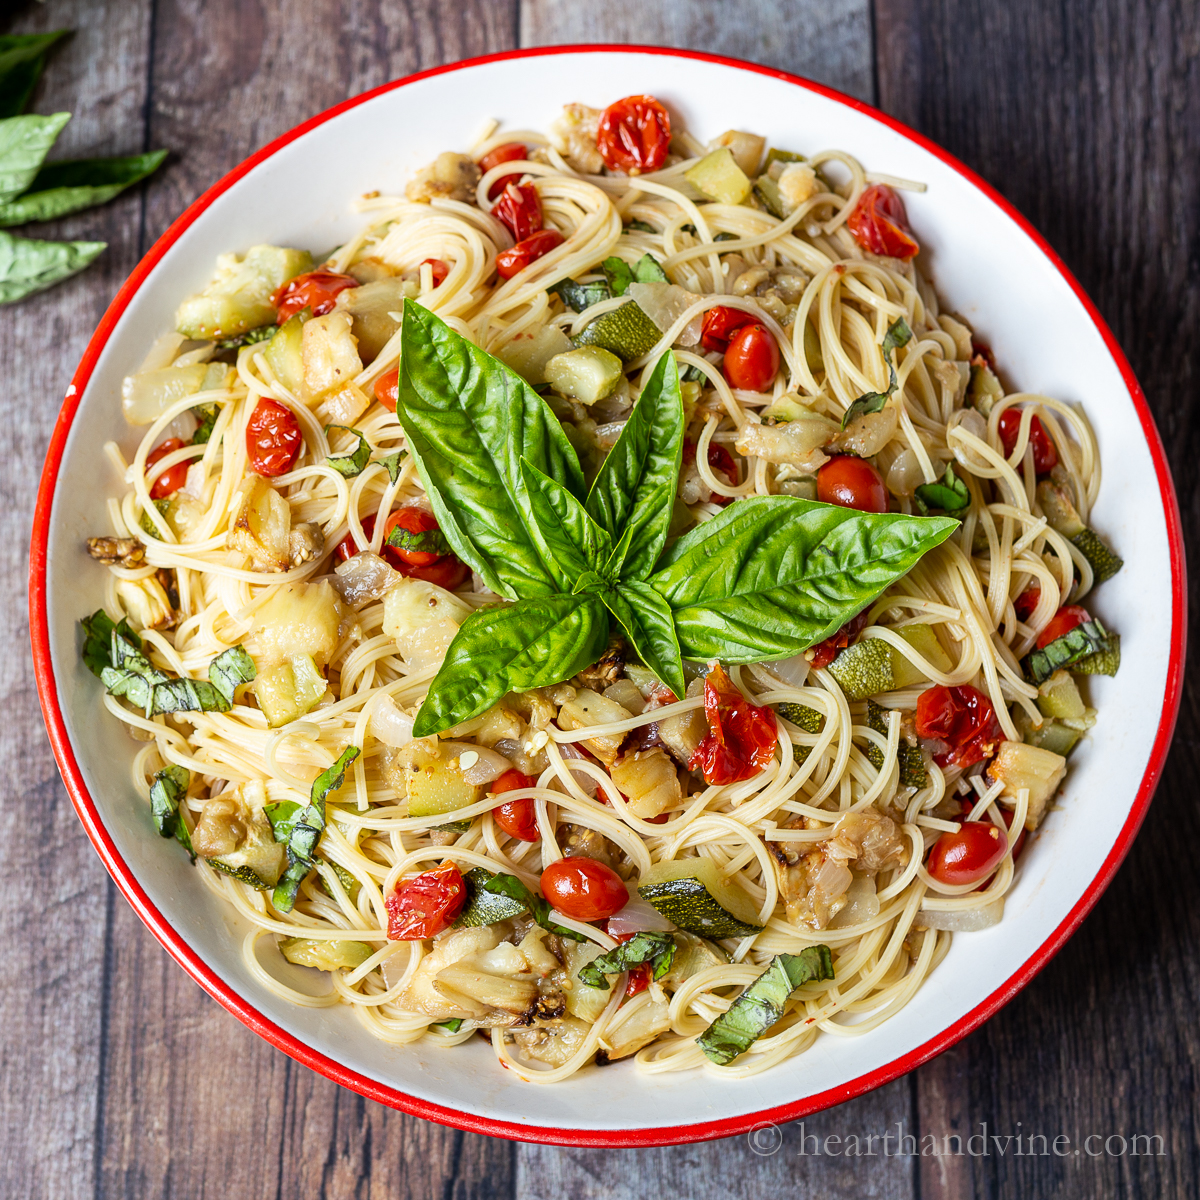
(772, 575)
(24, 142)
(261, 333)
(67, 187)
(98, 630)
(186, 695)
(619, 275)
(634, 491)
(230, 668)
(283, 817)
(656, 948)
(393, 463)
(353, 463)
(206, 415)
(22, 60)
(868, 402)
(649, 270)
(514, 889)
(28, 266)
(950, 494)
(898, 334)
(428, 541)
(639, 227)
(648, 624)
(579, 296)
(469, 421)
(168, 789)
(572, 542)
(452, 1025)
(533, 643)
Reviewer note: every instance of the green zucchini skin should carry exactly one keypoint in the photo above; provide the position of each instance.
(912, 761)
(802, 717)
(864, 669)
(1084, 642)
(687, 903)
(1105, 563)
(626, 331)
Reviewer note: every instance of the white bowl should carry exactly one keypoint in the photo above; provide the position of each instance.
(987, 263)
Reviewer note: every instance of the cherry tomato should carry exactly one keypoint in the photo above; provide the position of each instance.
(752, 360)
(633, 135)
(963, 718)
(439, 270)
(638, 979)
(1026, 602)
(519, 210)
(1045, 455)
(517, 818)
(347, 548)
(968, 856)
(852, 483)
(509, 152)
(823, 653)
(448, 572)
(719, 459)
(173, 478)
(584, 889)
(880, 224)
(273, 438)
(741, 736)
(719, 326)
(317, 290)
(425, 905)
(387, 388)
(1063, 621)
(509, 262)
(420, 537)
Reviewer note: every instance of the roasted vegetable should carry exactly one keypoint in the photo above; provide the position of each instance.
(864, 669)
(1018, 766)
(913, 772)
(1088, 641)
(238, 298)
(690, 893)
(324, 955)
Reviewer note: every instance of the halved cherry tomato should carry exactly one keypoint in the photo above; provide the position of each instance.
(509, 262)
(347, 548)
(879, 223)
(968, 856)
(720, 324)
(387, 388)
(517, 818)
(1063, 621)
(962, 717)
(741, 736)
(438, 269)
(853, 483)
(752, 360)
(425, 905)
(584, 889)
(1026, 602)
(420, 538)
(317, 290)
(634, 135)
(273, 438)
(823, 653)
(173, 478)
(509, 152)
(448, 572)
(719, 459)
(519, 210)
(1045, 455)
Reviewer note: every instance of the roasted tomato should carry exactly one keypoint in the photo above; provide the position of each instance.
(414, 537)
(510, 262)
(347, 548)
(639, 976)
(752, 360)
(387, 388)
(634, 135)
(741, 736)
(719, 460)
(518, 818)
(963, 718)
(448, 572)
(880, 224)
(584, 889)
(519, 210)
(853, 483)
(1045, 455)
(273, 438)
(425, 905)
(823, 653)
(1063, 621)
(317, 290)
(720, 324)
(173, 478)
(968, 856)
(439, 270)
(445, 570)
(1026, 602)
(509, 152)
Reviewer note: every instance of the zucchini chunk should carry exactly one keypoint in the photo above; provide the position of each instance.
(436, 782)
(984, 388)
(912, 762)
(924, 641)
(238, 298)
(529, 353)
(325, 956)
(692, 955)
(1059, 697)
(588, 374)
(287, 691)
(1089, 641)
(690, 893)
(763, 1002)
(486, 908)
(719, 177)
(1018, 766)
(234, 835)
(1104, 661)
(626, 331)
(802, 717)
(864, 669)
(1052, 735)
(1056, 502)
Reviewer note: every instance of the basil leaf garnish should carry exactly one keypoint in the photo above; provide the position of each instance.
(639, 227)
(392, 464)
(649, 625)
(950, 494)
(655, 948)
(469, 421)
(22, 60)
(514, 889)
(98, 630)
(28, 266)
(355, 462)
(572, 541)
(533, 643)
(427, 541)
(898, 334)
(649, 270)
(168, 789)
(619, 275)
(579, 296)
(206, 415)
(772, 575)
(261, 333)
(230, 668)
(24, 142)
(67, 187)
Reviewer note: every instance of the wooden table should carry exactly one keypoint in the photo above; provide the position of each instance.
(121, 1078)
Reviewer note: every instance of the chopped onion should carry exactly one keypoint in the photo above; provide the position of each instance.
(587, 782)
(388, 724)
(163, 352)
(182, 427)
(862, 903)
(792, 670)
(363, 579)
(963, 920)
(904, 476)
(638, 916)
(486, 767)
(868, 434)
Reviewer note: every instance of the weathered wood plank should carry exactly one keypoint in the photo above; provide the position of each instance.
(56, 892)
(195, 1105)
(1088, 118)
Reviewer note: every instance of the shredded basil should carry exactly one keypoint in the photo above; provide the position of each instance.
(355, 462)
(514, 889)
(1076, 644)
(262, 333)
(393, 463)
(898, 335)
(579, 296)
(657, 949)
(949, 494)
(639, 227)
(427, 541)
(619, 275)
(206, 415)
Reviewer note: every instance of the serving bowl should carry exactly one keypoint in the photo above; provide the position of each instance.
(987, 264)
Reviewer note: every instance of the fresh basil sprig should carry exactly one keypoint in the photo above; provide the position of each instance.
(514, 889)
(898, 335)
(355, 461)
(657, 949)
(766, 579)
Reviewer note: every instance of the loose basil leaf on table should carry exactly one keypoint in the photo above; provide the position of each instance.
(772, 575)
(28, 266)
(534, 643)
(24, 142)
(572, 542)
(61, 188)
(650, 627)
(469, 421)
(22, 60)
